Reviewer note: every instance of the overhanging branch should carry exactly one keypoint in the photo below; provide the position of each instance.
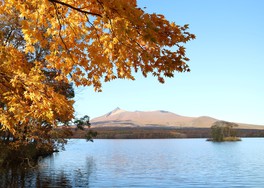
(74, 8)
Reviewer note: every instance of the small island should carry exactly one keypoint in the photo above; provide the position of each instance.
(222, 131)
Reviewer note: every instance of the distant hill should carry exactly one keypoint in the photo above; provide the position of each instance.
(122, 118)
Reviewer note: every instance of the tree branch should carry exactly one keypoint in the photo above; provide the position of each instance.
(74, 8)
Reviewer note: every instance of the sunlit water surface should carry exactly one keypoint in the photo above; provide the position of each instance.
(147, 163)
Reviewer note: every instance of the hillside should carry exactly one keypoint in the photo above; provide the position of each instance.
(122, 118)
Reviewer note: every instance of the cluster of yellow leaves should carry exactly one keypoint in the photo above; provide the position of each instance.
(100, 40)
(25, 95)
(87, 42)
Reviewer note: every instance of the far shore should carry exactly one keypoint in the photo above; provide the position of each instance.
(158, 132)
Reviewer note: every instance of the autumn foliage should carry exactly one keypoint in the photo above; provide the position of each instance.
(80, 42)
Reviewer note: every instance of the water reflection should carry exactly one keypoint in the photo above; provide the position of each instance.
(44, 175)
(82, 176)
(31, 178)
(146, 163)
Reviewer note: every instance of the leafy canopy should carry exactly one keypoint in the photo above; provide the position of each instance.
(83, 42)
(101, 38)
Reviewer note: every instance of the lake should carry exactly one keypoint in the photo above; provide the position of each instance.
(146, 163)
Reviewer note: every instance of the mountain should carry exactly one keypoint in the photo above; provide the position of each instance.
(122, 118)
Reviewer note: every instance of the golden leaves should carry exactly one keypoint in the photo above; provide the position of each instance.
(25, 94)
(99, 32)
(85, 42)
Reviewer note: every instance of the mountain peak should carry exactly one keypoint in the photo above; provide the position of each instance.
(115, 111)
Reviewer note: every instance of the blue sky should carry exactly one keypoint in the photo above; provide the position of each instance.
(226, 61)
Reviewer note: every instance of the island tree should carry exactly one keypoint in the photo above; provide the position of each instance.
(47, 45)
(224, 131)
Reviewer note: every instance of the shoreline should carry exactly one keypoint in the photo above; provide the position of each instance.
(158, 133)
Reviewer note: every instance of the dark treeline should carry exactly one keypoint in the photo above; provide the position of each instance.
(157, 132)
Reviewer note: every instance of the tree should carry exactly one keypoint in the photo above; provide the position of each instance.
(20, 83)
(79, 42)
(81, 123)
(221, 130)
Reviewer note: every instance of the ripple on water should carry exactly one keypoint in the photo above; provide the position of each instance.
(147, 163)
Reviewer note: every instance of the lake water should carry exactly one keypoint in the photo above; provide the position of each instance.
(147, 163)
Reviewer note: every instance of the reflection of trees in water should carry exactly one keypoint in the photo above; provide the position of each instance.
(17, 177)
(59, 180)
(82, 175)
(90, 167)
(24, 178)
